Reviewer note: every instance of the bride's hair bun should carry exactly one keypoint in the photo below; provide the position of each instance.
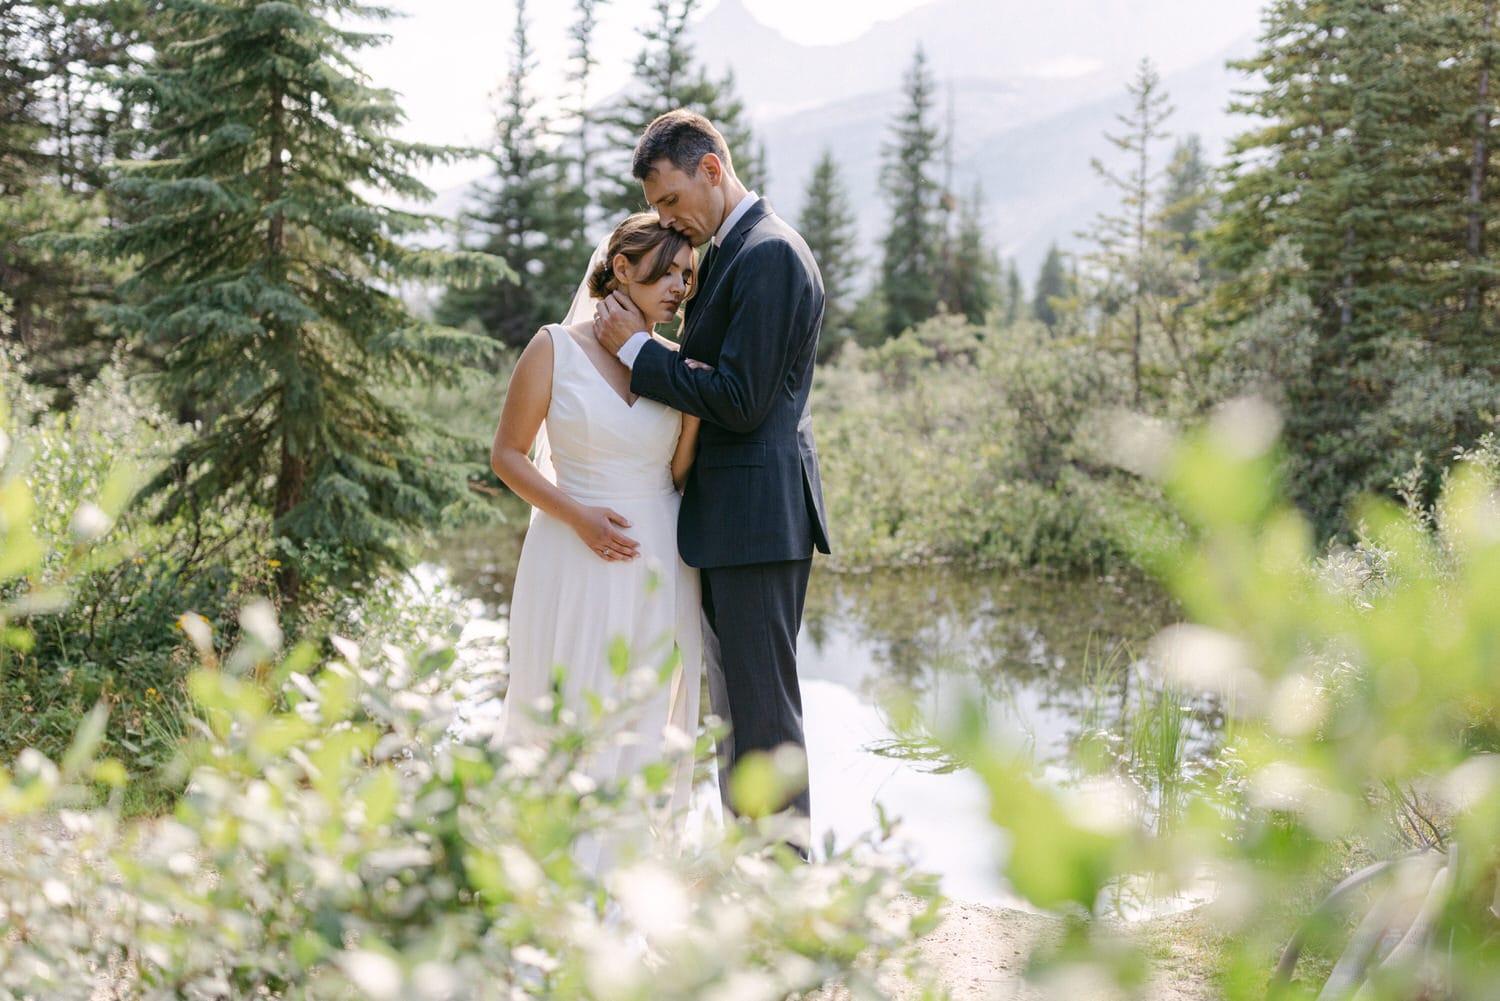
(602, 279)
(637, 236)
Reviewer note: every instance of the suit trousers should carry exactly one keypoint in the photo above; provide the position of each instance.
(751, 615)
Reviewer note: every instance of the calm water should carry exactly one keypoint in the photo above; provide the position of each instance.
(932, 636)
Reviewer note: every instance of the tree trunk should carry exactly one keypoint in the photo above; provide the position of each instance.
(291, 477)
(1474, 297)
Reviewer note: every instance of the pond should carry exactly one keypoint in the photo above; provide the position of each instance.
(1046, 658)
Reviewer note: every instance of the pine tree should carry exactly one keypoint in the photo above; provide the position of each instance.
(1053, 286)
(56, 130)
(21, 126)
(1186, 200)
(266, 280)
(1363, 160)
(667, 76)
(911, 250)
(581, 72)
(1127, 240)
(530, 216)
(828, 225)
(1015, 294)
(974, 267)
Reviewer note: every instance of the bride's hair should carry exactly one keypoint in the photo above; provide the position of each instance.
(640, 234)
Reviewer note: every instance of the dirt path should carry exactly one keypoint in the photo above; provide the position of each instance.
(981, 953)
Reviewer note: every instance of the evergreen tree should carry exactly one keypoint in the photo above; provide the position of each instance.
(583, 63)
(530, 216)
(1186, 200)
(1015, 294)
(910, 262)
(974, 267)
(56, 130)
(1363, 159)
(1054, 285)
(1128, 239)
(21, 126)
(667, 76)
(266, 280)
(828, 225)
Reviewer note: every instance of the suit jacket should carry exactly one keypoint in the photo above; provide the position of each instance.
(754, 494)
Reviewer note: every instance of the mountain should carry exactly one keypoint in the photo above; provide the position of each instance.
(1081, 48)
(1032, 87)
(1030, 151)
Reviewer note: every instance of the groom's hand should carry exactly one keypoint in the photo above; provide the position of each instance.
(616, 318)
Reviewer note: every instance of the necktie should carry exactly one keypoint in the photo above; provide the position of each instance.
(707, 265)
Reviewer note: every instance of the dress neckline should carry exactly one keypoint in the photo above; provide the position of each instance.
(629, 403)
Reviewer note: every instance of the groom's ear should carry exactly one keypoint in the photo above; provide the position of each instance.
(712, 167)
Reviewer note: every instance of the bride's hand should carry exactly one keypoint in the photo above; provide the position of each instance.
(697, 366)
(598, 528)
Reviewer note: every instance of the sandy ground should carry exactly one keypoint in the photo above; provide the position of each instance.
(982, 952)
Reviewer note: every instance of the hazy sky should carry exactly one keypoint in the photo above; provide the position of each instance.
(447, 57)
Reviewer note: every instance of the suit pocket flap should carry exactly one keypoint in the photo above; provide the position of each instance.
(748, 453)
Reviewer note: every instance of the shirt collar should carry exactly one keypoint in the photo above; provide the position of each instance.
(739, 211)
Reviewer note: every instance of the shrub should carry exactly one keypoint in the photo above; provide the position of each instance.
(1350, 706)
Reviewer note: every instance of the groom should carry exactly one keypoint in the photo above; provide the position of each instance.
(752, 510)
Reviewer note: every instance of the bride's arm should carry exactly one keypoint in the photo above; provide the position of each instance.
(526, 404)
(687, 448)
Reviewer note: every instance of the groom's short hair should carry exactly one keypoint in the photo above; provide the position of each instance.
(683, 137)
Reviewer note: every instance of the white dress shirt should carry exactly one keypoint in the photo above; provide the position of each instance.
(631, 348)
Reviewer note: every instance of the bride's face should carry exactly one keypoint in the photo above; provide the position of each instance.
(660, 300)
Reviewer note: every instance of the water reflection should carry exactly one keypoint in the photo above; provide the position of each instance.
(874, 645)
(932, 638)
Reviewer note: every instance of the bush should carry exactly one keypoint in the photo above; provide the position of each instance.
(119, 640)
(335, 841)
(1360, 689)
(958, 443)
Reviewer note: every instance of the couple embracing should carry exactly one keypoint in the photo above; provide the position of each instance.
(680, 504)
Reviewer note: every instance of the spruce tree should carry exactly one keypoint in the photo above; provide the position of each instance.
(974, 267)
(1186, 199)
(912, 247)
(530, 215)
(1015, 294)
(266, 280)
(828, 225)
(1127, 239)
(57, 128)
(1362, 158)
(582, 62)
(1053, 286)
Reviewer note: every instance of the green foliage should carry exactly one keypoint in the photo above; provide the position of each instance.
(1055, 288)
(1145, 275)
(1354, 697)
(531, 216)
(829, 226)
(911, 249)
(972, 275)
(266, 282)
(55, 131)
(1367, 154)
(943, 444)
(334, 839)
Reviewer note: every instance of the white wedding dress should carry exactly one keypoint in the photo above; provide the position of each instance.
(570, 609)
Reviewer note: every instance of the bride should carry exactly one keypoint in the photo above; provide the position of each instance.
(599, 566)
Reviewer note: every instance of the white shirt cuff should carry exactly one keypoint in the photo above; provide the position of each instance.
(632, 347)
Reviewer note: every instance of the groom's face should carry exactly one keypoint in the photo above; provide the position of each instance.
(692, 204)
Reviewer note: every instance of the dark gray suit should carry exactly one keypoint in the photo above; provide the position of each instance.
(752, 510)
